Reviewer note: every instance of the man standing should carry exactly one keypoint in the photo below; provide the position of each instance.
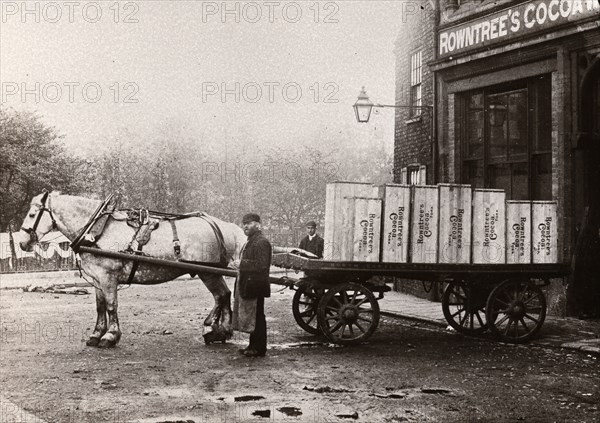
(312, 242)
(252, 286)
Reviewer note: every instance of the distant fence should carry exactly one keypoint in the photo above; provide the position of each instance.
(53, 253)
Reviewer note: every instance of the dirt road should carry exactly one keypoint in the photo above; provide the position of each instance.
(161, 370)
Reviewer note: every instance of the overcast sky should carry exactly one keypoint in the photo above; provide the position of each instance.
(97, 70)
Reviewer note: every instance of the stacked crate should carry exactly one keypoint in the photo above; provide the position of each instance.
(424, 224)
(340, 216)
(518, 232)
(447, 223)
(396, 228)
(454, 245)
(544, 232)
(489, 218)
(367, 226)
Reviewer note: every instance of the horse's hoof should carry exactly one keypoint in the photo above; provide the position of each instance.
(212, 337)
(109, 340)
(106, 343)
(209, 338)
(92, 342)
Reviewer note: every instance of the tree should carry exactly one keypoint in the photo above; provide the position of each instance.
(32, 158)
(290, 192)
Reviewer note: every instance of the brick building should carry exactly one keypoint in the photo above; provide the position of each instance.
(516, 89)
(414, 130)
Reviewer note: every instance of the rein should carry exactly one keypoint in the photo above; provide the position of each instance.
(33, 230)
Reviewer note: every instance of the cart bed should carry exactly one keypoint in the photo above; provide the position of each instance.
(326, 269)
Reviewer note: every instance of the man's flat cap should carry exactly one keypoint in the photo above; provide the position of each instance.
(251, 217)
(312, 224)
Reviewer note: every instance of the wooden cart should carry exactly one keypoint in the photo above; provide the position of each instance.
(337, 297)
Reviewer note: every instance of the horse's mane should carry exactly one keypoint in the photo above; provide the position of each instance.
(86, 200)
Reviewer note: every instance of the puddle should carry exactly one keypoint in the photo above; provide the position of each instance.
(326, 389)
(265, 414)
(290, 411)
(435, 391)
(392, 395)
(245, 398)
(353, 416)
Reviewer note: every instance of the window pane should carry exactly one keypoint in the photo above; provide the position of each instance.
(476, 101)
(517, 124)
(542, 177)
(475, 134)
(520, 186)
(499, 177)
(413, 176)
(544, 115)
(473, 173)
(497, 109)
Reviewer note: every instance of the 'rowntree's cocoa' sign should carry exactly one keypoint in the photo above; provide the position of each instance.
(521, 19)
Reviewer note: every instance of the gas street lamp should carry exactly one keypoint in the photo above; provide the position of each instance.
(364, 106)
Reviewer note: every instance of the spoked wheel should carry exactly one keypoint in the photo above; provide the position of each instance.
(304, 307)
(519, 310)
(348, 314)
(464, 308)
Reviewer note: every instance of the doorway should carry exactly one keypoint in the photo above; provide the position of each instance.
(585, 298)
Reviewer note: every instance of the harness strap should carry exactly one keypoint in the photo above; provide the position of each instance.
(224, 259)
(33, 230)
(134, 267)
(88, 226)
(39, 216)
(176, 243)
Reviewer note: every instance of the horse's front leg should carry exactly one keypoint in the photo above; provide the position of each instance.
(101, 326)
(113, 334)
(217, 325)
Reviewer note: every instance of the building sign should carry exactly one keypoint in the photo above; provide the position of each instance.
(522, 19)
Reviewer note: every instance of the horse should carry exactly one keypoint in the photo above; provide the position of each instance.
(197, 243)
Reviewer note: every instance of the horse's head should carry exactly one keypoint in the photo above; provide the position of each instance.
(38, 222)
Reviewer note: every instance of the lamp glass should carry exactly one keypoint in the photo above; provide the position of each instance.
(363, 112)
(363, 107)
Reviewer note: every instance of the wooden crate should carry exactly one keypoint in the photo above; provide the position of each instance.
(424, 224)
(339, 218)
(518, 232)
(544, 232)
(367, 229)
(395, 216)
(454, 245)
(489, 233)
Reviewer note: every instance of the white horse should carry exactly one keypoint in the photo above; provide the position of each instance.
(69, 214)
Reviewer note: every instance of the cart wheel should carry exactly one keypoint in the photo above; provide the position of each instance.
(464, 308)
(517, 309)
(304, 307)
(348, 314)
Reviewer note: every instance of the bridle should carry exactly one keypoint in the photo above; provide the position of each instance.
(45, 208)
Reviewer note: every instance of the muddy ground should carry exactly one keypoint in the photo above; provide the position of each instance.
(161, 370)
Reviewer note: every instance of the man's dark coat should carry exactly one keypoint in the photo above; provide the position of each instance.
(314, 246)
(255, 262)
